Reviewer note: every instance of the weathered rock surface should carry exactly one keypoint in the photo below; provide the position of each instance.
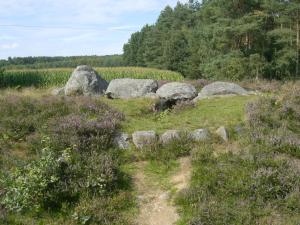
(152, 95)
(169, 136)
(223, 133)
(85, 81)
(121, 140)
(177, 91)
(221, 89)
(58, 91)
(144, 138)
(200, 135)
(131, 88)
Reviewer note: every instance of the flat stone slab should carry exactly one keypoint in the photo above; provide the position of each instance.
(131, 88)
(177, 91)
(221, 89)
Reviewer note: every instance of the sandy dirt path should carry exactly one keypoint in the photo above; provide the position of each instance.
(156, 207)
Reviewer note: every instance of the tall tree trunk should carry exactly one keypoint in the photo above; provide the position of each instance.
(298, 43)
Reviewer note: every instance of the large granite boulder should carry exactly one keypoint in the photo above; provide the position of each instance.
(221, 89)
(85, 81)
(144, 138)
(177, 91)
(131, 88)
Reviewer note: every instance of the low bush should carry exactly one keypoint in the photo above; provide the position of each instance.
(77, 162)
(177, 147)
(275, 121)
(239, 189)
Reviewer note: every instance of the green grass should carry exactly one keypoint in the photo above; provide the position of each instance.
(59, 77)
(159, 173)
(211, 114)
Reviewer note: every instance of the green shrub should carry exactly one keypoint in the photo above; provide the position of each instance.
(35, 185)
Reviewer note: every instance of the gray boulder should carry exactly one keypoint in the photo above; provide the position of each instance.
(121, 140)
(200, 135)
(169, 136)
(223, 133)
(85, 81)
(58, 91)
(221, 89)
(131, 88)
(144, 138)
(177, 91)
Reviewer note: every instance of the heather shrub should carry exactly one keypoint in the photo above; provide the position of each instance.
(275, 121)
(105, 210)
(21, 116)
(77, 162)
(239, 188)
(177, 147)
(58, 177)
(82, 133)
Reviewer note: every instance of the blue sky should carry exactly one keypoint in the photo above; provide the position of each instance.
(72, 27)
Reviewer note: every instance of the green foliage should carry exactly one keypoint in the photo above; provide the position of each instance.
(59, 77)
(222, 40)
(61, 62)
(36, 185)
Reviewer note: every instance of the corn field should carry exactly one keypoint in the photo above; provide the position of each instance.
(59, 77)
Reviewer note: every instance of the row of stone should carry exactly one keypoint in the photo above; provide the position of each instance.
(143, 139)
(85, 81)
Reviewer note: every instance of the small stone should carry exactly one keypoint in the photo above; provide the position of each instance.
(121, 140)
(200, 135)
(144, 138)
(223, 133)
(169, 136)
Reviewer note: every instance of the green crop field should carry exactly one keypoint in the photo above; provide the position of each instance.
(58, 77)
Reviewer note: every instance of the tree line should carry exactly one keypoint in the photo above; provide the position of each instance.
(55, 62)
(222, 39)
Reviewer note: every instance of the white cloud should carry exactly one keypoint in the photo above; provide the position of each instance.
(125, 27)
(9, 46)
(78, 11)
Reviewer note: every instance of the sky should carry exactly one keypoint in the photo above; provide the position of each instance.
(72, 27)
